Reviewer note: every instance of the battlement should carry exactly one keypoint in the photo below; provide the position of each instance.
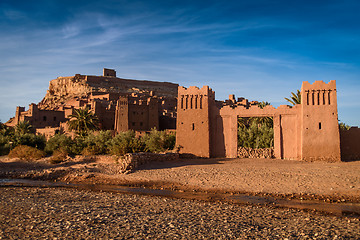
(319, 93)
(194, 97)
(205, 90)
(319, 84)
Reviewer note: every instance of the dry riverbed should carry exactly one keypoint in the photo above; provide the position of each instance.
(65, 213)
(291, 179)
(58, 213)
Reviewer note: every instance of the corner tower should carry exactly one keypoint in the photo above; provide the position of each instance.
(320, 138)
(193, 115)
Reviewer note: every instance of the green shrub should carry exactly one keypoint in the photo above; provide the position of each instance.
(5, 145)
(255, 133)
(159, 141)
(30, 139)
(126, 142)
(58, 141)
(7, 131)
(77, 146)
(97, 143)
(26, 153)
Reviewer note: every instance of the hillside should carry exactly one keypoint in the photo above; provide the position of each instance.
(79, 86)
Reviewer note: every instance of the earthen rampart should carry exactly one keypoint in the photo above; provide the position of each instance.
(308, 131)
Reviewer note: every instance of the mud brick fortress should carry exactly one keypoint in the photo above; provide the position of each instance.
(204, 126)
(120, 104)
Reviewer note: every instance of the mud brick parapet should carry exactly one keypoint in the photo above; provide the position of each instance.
(131, 161)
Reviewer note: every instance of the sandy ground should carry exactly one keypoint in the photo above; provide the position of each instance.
(336, 181)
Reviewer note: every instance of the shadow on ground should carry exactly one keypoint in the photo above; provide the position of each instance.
(181, 163)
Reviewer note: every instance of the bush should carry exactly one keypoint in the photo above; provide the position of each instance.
(26, 153)
(77, 146)
(126, 142)
(30, 139)
(4, 145)
(59, 155)
(255, 135)
(159, 141)
(97, 144)
(58, 141)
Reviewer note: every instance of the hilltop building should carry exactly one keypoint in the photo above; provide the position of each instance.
(149, 104)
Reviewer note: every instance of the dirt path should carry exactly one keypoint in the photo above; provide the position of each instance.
(334, 180)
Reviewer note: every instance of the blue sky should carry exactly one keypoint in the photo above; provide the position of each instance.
(258, 49)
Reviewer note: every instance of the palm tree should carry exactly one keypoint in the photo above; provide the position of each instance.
(263, 104)
(262, 120)
(295, 98)
(23, 127)
(83, 121)
(242, 122)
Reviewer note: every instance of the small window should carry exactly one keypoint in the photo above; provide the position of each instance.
(193, 126)
(44, 118)
(319, 125)
(54, 119)
(141, 123)
(133, 123)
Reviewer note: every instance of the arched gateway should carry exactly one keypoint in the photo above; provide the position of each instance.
(307, 131)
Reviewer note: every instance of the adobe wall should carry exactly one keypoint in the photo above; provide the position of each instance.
(193, 125)
(105, 113)
(121, 85)
(48, 132)
(285, 129)
(350, 144)
(38, 118)
(320, 139)
(307, 131)
(138, 115)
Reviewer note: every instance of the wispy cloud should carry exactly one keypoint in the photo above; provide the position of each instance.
(235, 47)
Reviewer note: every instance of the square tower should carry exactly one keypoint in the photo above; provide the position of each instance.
(193, 115)
(320, 137)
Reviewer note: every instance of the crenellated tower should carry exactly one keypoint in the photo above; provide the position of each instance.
(319, 122)
(193, 120)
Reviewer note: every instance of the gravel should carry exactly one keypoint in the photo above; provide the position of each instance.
(57, 213)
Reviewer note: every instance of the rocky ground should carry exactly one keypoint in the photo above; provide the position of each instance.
(57, 213)
(329, 181)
